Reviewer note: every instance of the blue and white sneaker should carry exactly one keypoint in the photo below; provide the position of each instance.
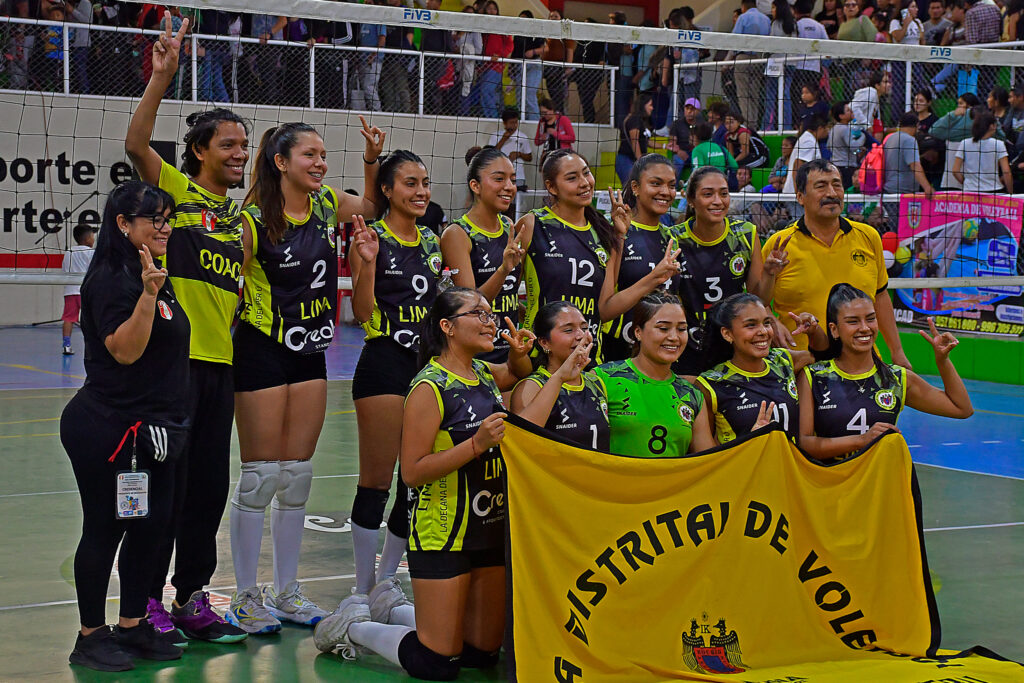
(292, 605)
(248, 613)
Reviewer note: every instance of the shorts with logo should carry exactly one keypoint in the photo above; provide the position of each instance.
(385, 367)
(261, 363)
(447, 564)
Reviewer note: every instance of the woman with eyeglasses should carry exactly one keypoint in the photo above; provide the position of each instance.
(126, 427)
(453, 423)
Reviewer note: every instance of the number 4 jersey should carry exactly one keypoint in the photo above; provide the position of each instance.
(846, 405)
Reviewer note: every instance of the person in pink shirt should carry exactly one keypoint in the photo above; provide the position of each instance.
(554, 130)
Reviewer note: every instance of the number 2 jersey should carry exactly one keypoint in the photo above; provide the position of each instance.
(649, 418)
(486, 255)
(580, 413)
(463, 510)
(290, 291)
(847, 405)
(736, 395)
(405, 286)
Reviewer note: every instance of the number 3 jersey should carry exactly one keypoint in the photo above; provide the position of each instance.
(405, 286)
(649, 418)
(736, 395)
(463, 510)
(846, 405)
(290, 291)
(486, 254)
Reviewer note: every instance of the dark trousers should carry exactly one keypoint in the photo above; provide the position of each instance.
(90, 436)
(202, 484)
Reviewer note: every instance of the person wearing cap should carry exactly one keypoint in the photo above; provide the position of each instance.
(681, 134)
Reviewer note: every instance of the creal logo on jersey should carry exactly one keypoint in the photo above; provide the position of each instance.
(686, 412)
(885, 399)
(165, 310)
(602, 256)
(738, 264)
(298, 337)
(791, 387)
(719, 654)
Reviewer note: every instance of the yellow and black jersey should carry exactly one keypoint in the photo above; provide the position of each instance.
(580, 413)
(463, 510)
(290, 291)
(565, 262)
(485, 255)
(204, 261)
(736, 395)
(405, 286)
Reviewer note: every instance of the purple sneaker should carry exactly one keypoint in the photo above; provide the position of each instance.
(198, 621)
(160, 618)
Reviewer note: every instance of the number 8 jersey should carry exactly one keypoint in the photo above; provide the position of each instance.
(846, 405)
(290, 291)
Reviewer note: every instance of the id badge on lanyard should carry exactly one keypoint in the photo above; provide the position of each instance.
(131, 488)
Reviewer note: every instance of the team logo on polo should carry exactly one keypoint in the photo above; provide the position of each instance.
(602, 256)
(165, 310)
(885, 399)
(719, 654)
(434, 263)
(859, 258)
(686, 412)
(738, 264)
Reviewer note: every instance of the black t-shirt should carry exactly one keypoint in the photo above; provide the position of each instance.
(155, 387)
(434, 218)
(633, 123)
(520, 44)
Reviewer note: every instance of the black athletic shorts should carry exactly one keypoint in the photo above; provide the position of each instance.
(261, 363)
(447, 564)
(384, 367)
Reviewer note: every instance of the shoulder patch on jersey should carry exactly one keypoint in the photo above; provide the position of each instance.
(737, 264)
(434, 263)
(791, 387)
(686, 412)
(602, 256)
(885, 399)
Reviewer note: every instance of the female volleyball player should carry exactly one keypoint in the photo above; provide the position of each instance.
(572, 253)
(721, 257)
(849, 400)
(290, 299)
(453, 424)
(125, 429)
(650, 192)
(204, 260)
(559, 396)
(395, 265)
(755, 374)
(481, 248)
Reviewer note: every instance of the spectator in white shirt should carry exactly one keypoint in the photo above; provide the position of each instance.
(845, 141)
(865, 102)
(76, 261)
(982, 159)
(907, 30)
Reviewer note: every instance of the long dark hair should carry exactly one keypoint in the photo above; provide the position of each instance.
(983, 120)
(388, 169)
(201, 127)
(549, 172)
(266, 190)
(645, 310)
(432, 340)
(132, 198)
(693, 184)
(784, 15)
(637, 111)
(642, 165)
(721, 315)
(840, 295)
(543, 323)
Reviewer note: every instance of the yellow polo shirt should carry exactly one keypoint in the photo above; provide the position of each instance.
(854, 257)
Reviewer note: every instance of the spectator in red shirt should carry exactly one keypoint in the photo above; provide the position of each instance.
(554, 131)
(496, 46)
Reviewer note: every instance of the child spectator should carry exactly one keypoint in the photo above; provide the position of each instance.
(777, 176)
(76, 261)
(845, 141)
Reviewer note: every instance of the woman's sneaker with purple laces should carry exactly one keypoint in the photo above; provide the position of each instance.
(198, 621)
(160, 618)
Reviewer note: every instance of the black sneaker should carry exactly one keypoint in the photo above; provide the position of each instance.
(144, 642)
(99, 651)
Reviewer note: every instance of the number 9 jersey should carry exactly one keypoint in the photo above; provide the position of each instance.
(846, 405)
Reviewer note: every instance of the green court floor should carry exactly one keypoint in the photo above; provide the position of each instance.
(975, 544)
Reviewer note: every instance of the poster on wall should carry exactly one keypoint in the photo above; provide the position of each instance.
(959, 234)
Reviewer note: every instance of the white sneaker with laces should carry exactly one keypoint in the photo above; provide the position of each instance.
(384, 597)
(248, 613)
(332, 632)
(293, 605)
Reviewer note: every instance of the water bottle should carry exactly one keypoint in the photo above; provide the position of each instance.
(447, 280)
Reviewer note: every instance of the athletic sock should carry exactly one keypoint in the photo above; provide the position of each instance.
(67, 341)
(364, 544)
(390, 556)
(383, 639)
(286, 534)
(246, 538)
(403, 615)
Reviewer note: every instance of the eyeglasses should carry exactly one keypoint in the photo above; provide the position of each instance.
(159, 220)
(481, 315)
(851, 4)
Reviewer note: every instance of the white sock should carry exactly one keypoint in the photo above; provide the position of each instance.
(404, 615)
(246, 538)
(381, 638)
(390, 556)
(286, 534)
(364, 546)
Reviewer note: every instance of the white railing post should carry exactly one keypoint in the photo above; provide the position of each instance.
(908, 90)
(614, 76)
(66, 40)
(674, 104)
(312, 77)
(780, 107)
(195, 68)
(423, 66)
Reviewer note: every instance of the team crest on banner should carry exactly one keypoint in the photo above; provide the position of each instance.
(914, 215)
(719, 654)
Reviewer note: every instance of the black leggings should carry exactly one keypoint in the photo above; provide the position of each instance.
(90, 437)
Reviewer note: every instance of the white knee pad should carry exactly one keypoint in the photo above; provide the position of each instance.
(294, 484)
(257, 485)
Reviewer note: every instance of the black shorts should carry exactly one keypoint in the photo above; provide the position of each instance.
(447, 564)
(384, 367)
(261, 363)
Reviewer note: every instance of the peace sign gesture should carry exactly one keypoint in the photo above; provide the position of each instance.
(765, 415)
(572, 368)
(805, 322)
(513, 254)
(620, 212)
(778, 258)
(167, 47)
(364, 241)
(374, 141)
(153, 278)
(668, 267)
(942, 343)
(520, 341)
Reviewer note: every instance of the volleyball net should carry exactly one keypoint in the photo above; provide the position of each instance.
(442, 83)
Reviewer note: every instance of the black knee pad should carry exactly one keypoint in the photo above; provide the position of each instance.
(475, 658)
(419, 661)
(368, 507)
(398, 520)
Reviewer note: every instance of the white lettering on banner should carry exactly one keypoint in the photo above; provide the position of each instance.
(971, 208)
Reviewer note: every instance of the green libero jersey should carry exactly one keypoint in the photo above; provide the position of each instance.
(463, 510)
(580, 413)
(485, 255)
(649, 418)
(290, 290)
(711, 271)
(204, 261)
(847, 405)
(405, 286)
(736, 395)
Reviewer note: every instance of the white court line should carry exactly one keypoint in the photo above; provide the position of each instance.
(54, 493)
(975, 526)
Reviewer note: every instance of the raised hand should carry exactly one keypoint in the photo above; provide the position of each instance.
(513, 254)
(778, 258)
(364, 240)
(765, 415)
(490, 433)
(167, 47)
(520, 341)
(942, 343)
(668, 267)
(620, 213)
(374, 141)
(805, 322)
(572, 368)
(153, 278)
